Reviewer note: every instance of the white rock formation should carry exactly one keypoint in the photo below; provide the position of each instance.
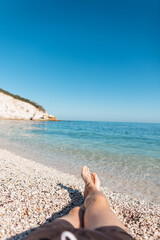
(11, 108)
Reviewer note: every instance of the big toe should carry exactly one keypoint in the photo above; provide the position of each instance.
(96, 181)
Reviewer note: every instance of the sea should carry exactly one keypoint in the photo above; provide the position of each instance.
(126, 156)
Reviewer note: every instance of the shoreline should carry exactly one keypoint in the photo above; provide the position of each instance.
(28, 120)
(33, 194)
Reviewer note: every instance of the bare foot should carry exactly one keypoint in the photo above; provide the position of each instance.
(86, 175)
(91, 180)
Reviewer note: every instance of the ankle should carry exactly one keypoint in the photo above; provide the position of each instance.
(96, 197)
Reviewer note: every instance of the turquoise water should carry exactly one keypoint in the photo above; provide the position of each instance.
(125, 155)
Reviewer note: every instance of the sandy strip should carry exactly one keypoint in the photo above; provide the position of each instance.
(32, 194)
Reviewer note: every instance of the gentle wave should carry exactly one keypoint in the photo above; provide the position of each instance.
(126, 155)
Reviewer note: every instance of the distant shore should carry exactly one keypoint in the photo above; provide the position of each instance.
(33, 194)
(35, 120)
(14, 107)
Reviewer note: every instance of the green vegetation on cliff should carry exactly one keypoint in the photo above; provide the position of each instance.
(23, 99)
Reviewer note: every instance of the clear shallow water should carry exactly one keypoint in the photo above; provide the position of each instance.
(125, 155)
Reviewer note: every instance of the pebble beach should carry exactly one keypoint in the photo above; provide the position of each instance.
(33, 194)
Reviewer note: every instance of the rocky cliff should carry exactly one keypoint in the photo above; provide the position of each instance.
(15, 107)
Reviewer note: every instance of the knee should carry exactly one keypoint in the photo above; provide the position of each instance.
(75, 210)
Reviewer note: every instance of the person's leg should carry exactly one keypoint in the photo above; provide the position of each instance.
(55, 228)
(97, 210)
(75, 217)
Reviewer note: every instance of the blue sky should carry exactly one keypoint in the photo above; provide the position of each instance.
(84, 59)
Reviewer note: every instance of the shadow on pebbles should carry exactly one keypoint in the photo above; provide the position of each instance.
(33, 194)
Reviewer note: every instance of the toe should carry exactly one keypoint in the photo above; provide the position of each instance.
(97, 182)
(93, 177)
